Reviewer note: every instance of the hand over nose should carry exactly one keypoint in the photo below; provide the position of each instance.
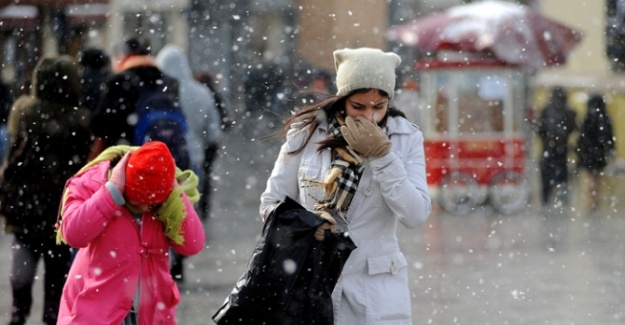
(365, 137)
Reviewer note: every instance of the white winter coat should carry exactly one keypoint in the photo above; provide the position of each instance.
(373, 287)
(197, 101)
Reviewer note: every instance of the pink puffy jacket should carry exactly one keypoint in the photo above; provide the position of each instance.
(117, 257)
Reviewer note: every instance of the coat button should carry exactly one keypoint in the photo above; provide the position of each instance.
(368, 191)
(394, 269)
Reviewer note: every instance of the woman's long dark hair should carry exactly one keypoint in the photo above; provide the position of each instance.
(311, 115)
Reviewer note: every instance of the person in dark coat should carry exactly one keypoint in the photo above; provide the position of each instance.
(555, 125)
(96, 70)
(211, 83)
(112, 122)
(595, 145)
(49, 141)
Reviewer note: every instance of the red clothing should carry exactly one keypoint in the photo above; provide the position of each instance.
(115, 254)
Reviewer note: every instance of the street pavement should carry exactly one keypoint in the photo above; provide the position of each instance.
(543, 266)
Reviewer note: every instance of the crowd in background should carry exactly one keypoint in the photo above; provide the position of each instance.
(78, 111)
(593, 149)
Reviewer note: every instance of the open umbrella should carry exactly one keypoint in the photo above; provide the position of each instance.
(510, 32)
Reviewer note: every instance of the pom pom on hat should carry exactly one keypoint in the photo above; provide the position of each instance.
(150, 173)
(365, 68)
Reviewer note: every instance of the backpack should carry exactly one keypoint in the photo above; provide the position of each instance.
(160, 118)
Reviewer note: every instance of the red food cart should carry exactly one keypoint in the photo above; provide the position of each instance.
(479, 58)
(472, 114)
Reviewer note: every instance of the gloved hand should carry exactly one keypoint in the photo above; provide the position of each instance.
(118, 175)
(329, 224)
(365, 137)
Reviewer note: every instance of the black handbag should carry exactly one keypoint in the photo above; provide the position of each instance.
(291, 275)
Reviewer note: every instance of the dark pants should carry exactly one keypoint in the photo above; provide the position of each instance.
(27, 250)
(554, 174)
(205, 186)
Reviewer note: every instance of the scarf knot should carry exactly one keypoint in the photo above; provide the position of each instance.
(341, 182)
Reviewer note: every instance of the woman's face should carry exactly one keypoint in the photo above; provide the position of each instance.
(371, 105)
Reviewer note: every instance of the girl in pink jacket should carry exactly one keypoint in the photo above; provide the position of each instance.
(124, 220)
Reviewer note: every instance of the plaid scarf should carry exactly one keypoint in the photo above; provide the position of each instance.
(342, 180)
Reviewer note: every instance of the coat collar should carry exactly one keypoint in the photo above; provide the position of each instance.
(133, 61)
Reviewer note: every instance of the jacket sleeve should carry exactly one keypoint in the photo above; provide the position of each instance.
(403, 183)
(282, 181)
(87, 213)
(192, 231)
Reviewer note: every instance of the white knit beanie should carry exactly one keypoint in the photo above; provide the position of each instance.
(365, 68)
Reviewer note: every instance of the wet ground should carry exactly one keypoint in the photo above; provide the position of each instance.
(559, 266)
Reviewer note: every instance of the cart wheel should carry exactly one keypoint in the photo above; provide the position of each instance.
(457, 193)
(509, 192)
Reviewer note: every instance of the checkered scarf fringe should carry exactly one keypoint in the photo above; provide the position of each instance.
(342, 181)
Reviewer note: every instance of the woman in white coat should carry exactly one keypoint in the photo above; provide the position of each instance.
(356, 161)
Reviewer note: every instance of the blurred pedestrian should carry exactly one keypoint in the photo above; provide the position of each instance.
(408, 100)
(595, 146)
(124, 210)
(318, 87)
(555, 126)
(198, 103)
(115, 117)
(210, 82)
(204, 129)
(262, 89)
(6, 99)
(49, 141)
(357, 162)
(96, 70)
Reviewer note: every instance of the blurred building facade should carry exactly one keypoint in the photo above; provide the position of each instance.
(224, 39)
(235, 41)
(596, 65)
(32, 28)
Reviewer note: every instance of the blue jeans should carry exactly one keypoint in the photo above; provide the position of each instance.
(4, 135)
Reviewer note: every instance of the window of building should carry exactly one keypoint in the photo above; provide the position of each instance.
(615, 34)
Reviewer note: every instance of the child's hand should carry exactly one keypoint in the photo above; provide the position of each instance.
(118, 175)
